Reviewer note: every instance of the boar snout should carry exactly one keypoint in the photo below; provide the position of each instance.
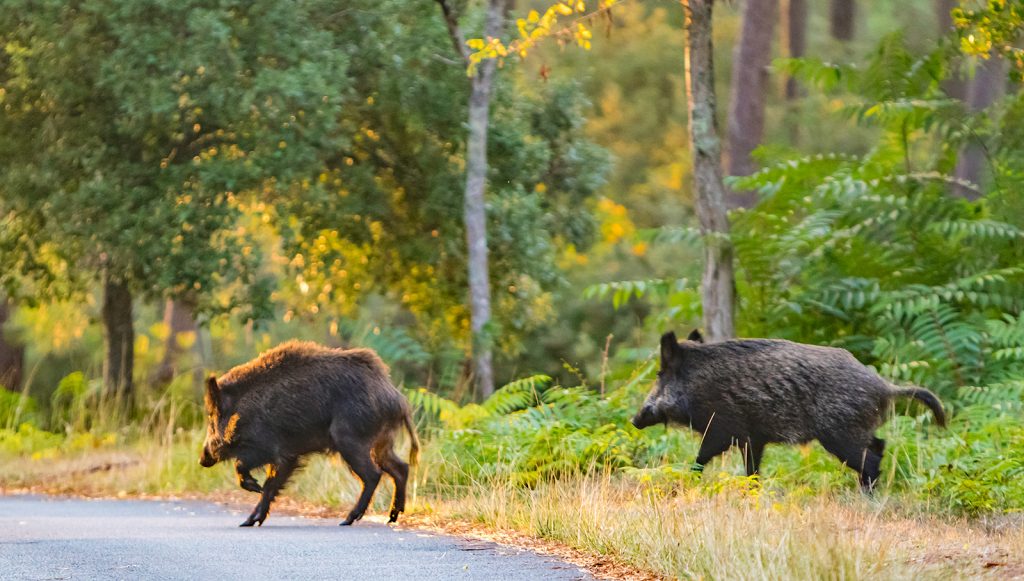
(206, 459)
(647, 416)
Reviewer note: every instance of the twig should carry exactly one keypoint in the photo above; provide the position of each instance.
(454, 32)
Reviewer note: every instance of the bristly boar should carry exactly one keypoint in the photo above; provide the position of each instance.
(300, 398)
(754, 392)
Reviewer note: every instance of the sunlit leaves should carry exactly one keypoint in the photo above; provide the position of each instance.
(566, 21)
(994, 27)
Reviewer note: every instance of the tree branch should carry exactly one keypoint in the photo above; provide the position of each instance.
(458, 40)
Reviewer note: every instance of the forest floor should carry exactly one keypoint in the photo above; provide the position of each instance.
(610, 528)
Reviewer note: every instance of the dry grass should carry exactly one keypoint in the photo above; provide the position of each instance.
(747, 535)
(613, 526)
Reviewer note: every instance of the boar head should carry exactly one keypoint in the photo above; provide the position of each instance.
(667, 400)
(218, 424)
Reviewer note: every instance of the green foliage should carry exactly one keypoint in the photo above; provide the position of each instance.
(16, 408)
(384, 218)
(130, 140)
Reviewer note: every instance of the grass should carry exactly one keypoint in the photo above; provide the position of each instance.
(718, 527)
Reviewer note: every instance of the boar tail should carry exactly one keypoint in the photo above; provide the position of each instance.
(926, 397)
(414, 448)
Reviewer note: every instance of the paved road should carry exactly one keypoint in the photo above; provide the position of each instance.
(48, 538)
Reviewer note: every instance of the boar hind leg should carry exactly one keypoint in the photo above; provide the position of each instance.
(862, 458)
(358, 459)
(277, 476)
(399, 472)
(752, 452)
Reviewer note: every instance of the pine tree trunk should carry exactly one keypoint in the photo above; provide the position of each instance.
(717, 286)
(119, 363)
(751, 59)
(843, 17)
(796, 40)
(954, 86)
(178, 319)
(988, 85)
(12, 355)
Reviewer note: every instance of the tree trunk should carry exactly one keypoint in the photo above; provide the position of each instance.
(474, 207)
(717, 285)
(843, 16)
(119, 362)
(12, 355)
(178, 319)
(476, 228)
(796, 40)
(943, 12)
(988, 84)
(751, 59)
(954, 86)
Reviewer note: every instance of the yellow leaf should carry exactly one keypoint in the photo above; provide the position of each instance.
(532, 17)
(581, 6)
(475, 43)
(564, 9)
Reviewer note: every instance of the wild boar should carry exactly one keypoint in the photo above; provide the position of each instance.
(753, 392)
(300, 398)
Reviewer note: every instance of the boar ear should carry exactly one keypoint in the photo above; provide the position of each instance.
(695, 336)
(212, 391)
(669, 346)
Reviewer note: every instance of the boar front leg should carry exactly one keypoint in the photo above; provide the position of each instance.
(245, 478)
(752, 451)
(715, 442)
(277, 476)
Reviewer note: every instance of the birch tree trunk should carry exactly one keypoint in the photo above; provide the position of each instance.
(751, 59)
(717, 285)
(474, 205)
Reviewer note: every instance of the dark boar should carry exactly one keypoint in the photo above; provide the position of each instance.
(300, 398)
(753, 392)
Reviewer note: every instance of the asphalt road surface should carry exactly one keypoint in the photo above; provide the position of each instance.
(56, 538)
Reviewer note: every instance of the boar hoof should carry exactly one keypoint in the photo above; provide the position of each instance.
(346, 523)
(252, 486)
(394, 516)
(248, 522)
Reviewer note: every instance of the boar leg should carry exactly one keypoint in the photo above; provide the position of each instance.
(862, 458)
(358, 459)
(714, 443)
(399, 472)
(752, 452)
(245, 478)
(277, 476)
(878, 446)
